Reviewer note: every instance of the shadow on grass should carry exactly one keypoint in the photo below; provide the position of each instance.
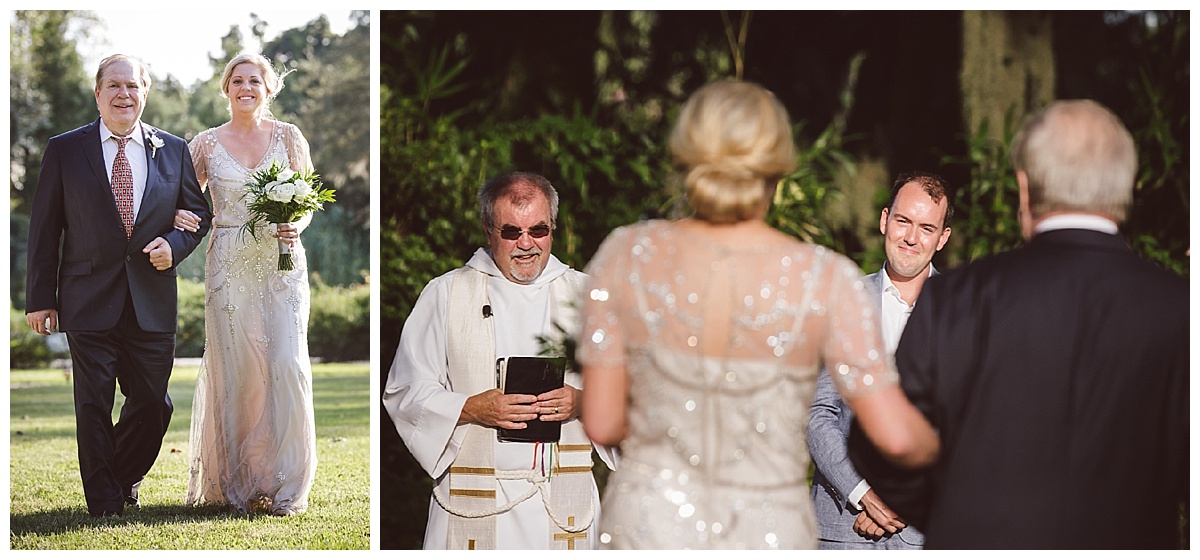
(68, 520)
(33, 436)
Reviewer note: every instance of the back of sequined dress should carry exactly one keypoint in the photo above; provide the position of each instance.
(253, 443)
(722, 345)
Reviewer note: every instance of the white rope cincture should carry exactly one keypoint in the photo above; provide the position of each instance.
(539, 483)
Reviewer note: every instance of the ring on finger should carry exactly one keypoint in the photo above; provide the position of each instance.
(556, 410)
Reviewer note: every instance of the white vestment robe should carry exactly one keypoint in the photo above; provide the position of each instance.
(425, 409)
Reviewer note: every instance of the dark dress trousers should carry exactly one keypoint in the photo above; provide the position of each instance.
(119, 313)
(1057, 377)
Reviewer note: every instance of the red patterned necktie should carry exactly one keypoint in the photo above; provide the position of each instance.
(122, 186)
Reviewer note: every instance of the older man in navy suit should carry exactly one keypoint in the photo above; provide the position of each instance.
(850, 515)
(1057, 374)
(102, 256)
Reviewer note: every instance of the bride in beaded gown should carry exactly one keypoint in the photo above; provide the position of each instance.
(253, 443)
(702, 340)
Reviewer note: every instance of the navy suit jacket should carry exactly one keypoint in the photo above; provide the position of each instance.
(87, 281)
(835, 478)
(1057, 377)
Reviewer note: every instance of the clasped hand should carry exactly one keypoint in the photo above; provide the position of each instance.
(159, 251)
(876, 519)
(511, 412)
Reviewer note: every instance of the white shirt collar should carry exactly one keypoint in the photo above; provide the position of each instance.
(1077, 221)
(888, 287)
(136, 134)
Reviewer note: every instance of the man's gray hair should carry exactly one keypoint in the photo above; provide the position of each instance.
(1079, 157)
(143, 72)
(519, 187)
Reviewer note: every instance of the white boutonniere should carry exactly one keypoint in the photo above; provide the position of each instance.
(155, 143)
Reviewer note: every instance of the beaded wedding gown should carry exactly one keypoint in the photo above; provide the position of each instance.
(253, 442)
(722, 345)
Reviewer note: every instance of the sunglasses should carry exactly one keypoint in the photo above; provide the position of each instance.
(513, 233)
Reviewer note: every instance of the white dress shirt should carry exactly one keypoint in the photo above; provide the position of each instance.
(895, 312)
(135, 151)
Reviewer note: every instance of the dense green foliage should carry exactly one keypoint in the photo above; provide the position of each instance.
(986, 219)
(47, 504)
(338, 327)
(189, 330)
(26, 348)
(1159, 224)
(339, 323)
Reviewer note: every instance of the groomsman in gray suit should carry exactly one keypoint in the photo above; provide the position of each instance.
(850, 515)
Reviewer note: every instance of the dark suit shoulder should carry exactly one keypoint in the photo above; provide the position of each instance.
(75, 133)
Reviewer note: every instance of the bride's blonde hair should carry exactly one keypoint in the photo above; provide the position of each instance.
(272, 80)
(735, 141)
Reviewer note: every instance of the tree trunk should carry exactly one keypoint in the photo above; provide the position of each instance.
(1007, 65)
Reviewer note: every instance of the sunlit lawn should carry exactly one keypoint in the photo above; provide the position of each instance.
(48, 510)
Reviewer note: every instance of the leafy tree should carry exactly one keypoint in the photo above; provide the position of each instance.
(1159, 221)
(49, 93)
(329, 99)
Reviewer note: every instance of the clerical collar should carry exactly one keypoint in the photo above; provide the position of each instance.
(1077, 221)
(483, 262)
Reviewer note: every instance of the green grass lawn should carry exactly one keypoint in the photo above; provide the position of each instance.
(48, 510)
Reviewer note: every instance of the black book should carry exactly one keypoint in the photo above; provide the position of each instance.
(530, 375)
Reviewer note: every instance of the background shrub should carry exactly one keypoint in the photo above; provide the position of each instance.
(339, 322)
(27, 349)
(189, 331)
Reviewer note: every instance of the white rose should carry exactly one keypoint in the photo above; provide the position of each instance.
(283, 192)
(286, 174)
(303, 189)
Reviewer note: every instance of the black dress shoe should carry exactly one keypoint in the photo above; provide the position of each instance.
(132, 502)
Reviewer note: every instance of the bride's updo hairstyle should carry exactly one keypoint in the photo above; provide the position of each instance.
(734, 140)
(272, 80)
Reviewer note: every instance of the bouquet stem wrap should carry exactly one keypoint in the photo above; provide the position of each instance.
(285, 255)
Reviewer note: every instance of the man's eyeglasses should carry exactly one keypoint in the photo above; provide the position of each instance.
(513, 233)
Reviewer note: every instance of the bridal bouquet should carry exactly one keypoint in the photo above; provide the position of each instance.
(279, 195)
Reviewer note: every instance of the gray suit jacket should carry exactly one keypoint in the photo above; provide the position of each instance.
(835, 477)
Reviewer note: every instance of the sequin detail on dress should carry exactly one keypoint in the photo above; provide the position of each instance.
(253, 438)
(722, 345)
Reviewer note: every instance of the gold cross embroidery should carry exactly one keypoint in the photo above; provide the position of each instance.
(570, 537)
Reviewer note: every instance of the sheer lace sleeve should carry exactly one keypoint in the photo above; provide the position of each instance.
(854, 353)
(602, 342)
(298, 160)
(201, 150)
(297, 147)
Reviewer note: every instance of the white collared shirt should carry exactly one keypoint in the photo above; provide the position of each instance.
(895, 312)
(1077, 221)
(135, 151)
